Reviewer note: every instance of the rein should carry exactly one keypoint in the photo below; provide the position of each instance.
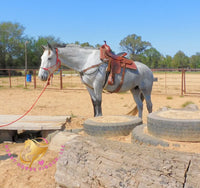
(57, 65)
(51, 71)
(48, 82)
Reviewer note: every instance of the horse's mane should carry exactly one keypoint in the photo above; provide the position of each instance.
(63, 45)
(77, 46)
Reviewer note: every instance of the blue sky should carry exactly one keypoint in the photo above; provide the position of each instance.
(169, 25)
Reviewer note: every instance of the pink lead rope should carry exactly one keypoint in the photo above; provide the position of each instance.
(58, 64)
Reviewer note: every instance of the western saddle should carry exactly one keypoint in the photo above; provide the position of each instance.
(115, 64)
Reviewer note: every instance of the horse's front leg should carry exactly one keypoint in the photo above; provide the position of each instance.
(97, 108)
(94, 84)
(96, 97)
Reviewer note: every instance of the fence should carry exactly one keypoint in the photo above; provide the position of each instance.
(17, 78)
(175, 81)
(190, 80)
(169, 81)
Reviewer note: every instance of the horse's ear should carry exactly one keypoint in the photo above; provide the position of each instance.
(50, 46)
(44, 47)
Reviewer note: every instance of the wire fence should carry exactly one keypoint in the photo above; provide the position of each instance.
(169, 81)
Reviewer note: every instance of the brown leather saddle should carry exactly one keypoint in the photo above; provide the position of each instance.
(115, 64)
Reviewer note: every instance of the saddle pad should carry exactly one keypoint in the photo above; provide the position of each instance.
(131, 66)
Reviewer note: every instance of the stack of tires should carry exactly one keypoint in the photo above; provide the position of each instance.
(183, 126)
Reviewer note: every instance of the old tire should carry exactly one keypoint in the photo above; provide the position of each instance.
(139, 136)
(173, 129)
(94, 127)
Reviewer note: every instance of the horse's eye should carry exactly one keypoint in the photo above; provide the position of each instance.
(49, 58)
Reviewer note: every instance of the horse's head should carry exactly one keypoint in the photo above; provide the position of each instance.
(49, 62)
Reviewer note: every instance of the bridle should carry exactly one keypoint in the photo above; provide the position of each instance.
(51, 69)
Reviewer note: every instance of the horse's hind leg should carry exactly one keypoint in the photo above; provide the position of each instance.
(147, 96)
(138, 97)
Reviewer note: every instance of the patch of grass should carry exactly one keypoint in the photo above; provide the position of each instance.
(20, 86)
(187, 103)
(169, 98)
(72, 115)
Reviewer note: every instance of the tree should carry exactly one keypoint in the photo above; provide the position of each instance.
(134, 46)
(77, 42)
(180, 60)
(98, 46)
(195, 61)
(151, 57)
(86, 44)
(34, 49)
(167, 62)
(11, 46)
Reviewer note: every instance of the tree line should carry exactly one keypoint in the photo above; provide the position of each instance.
(13, 41)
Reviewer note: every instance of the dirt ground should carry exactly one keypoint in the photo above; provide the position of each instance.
(75, 103)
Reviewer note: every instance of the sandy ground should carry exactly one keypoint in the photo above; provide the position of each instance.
(75, 103)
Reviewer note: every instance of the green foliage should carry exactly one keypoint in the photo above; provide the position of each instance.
(12, 49)
(12, 46)
(134, 45)
(166, 62)
(180, 60)
(195, 61)
(187, 103)
(86, 44)
(169, 98)
(151, 57)
(34, 50)
(97, 46)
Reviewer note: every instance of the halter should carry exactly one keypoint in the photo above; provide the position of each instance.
(57, 65)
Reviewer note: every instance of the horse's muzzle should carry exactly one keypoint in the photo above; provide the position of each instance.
(43, 75)
(43, 78)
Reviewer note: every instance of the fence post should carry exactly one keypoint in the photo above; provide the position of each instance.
(182, 82)
(25, 84)
(34, 78)
(165, 83)
(9, 77)
(183, 88)
(184, 85)
(61, 83)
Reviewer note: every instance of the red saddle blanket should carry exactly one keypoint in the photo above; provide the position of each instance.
(115, 62)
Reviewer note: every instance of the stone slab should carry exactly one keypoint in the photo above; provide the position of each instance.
(33, 122)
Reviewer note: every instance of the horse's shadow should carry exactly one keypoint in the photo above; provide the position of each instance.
(22, 137)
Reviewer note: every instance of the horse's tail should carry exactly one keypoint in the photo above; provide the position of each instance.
(134, 111)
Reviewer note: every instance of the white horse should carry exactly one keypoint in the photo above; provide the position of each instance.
(93, 74)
